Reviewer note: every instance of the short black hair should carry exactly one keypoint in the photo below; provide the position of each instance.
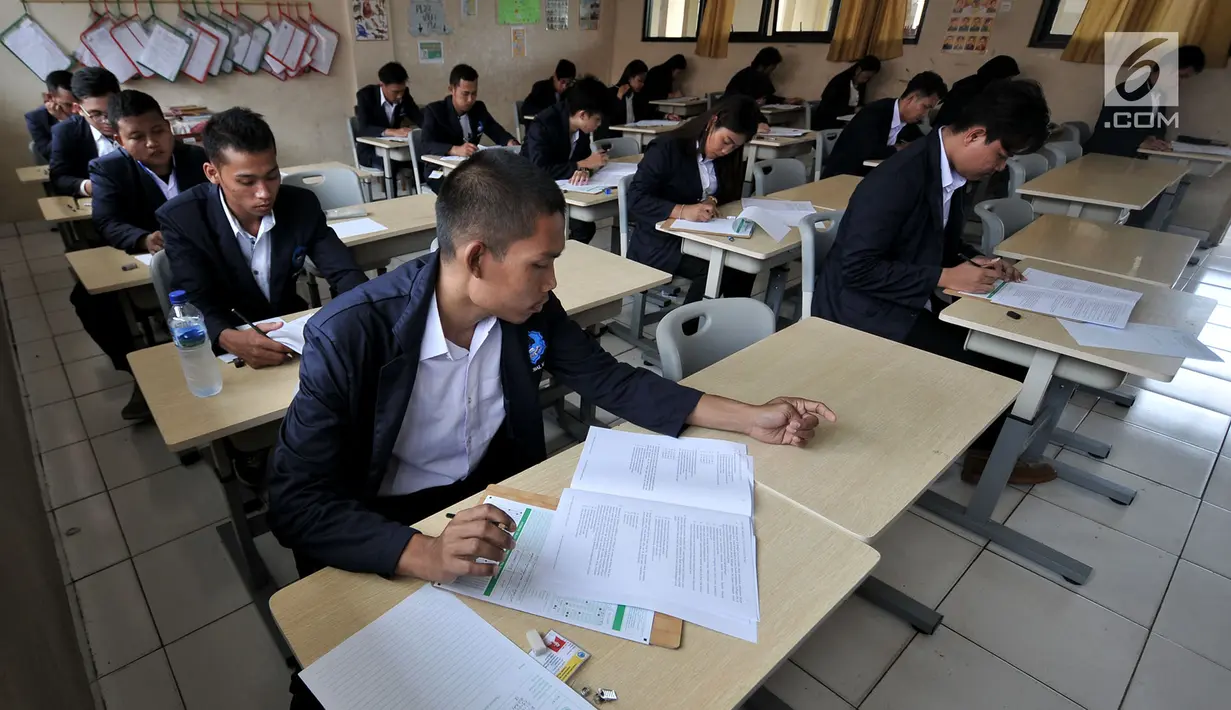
(767, 57)
(130, 104)
(1190, 55)
(565, 70)
(462, 72)
(94, 83)
(240, 129)
(392, 73)
(634, 68)
(926, 83)
(1012, 111)
(868, 63)
(677, 61)
(59, 79)
(586, 94)
(495, 197)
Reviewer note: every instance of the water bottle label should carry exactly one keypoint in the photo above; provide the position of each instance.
(190, 337)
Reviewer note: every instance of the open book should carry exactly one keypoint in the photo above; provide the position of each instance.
(1065, 297)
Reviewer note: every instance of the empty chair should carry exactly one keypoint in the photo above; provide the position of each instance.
(825, 142)
(1083, 131)
(622, 203)
(1002, 219)
(369, 174)
(517, 121)
(619, 147)
(770, 176)
(1068, 132)
(816, 235)
(727, 326)
(1054, 156)
(1071, 149)
(1023, 169)
(160, 274)
(334, 187)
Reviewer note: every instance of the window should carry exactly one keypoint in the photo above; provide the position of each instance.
(914, 21)
(1057, 20)
(671, 20)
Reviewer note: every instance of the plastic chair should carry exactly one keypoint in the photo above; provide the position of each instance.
(1024, 168)
(619, 147)
(1054, 156)
(517, 121)
(367, 174)
(622, 203)
(1071, 149)
(1083, 131)
(334, 187)
(160, 274)
(727, 326)
(817, 233)
(777, 174)
(38, 159)
(1002, 219)
(826, 140)
(414, 144)
(711, 97)
(810, 108)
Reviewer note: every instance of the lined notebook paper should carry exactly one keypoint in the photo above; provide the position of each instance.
(432, 652)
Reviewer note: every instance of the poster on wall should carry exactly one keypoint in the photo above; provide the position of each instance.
(519, 42)
(371, 19)
(470, 8)
(970, 26)
(427, 17)
(431, 52)
(589, 14)
(557, 14)
(518, 12)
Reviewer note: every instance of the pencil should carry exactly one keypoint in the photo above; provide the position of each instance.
(251, 325)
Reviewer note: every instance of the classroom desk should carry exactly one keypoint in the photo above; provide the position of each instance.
(33, 174)
(1055, 363)
(1103, 188)
(389, 150)
(805, 569)
(644, 134)
(682, 105)
(327, 165)
(778, 116)
(1199, 164)
(1137, 254)
(770, 147)
(410, 226)
(60, 209)
(101, 269)
(847, 118)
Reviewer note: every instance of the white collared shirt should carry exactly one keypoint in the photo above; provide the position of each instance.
(103, 145)
(389, 109)
(255, 249)
(169, 189)
(629, 115)
(455, 409)
(854, 99)
(573, 143)
(464, 119)
(709, 179)
(898, 124)
(950, 182)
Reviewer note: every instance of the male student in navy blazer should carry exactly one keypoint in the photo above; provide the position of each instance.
(57, 105)
(385, 109)
(455, 124)
(546, 93)
(239, 241)
(885, 126)
(85, 136)
(901, 239)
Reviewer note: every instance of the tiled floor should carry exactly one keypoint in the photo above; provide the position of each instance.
(167, 622)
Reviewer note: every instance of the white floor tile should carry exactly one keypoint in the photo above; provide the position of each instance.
(117, 621)
(613, 344)
(83, 641)
(25, 330)
(1171, 417)
(1193, 387)
(56, 300)
(1209, 544)
(233, 664)
(62, 322)
(47, 264)
(47, 386)
(100, 411)
(131, 453)
(1130, 577)
(1072, 417)
(75, 346)
(922, 559)
(801, 691)
(1066, 641)
(1217, 336)
(853, 648)
(37, 355)
(16, 268)
(146, 684)
(162, 507)
(54, 281)
(1219, 490)
(1222, 295)
(71, 474)
(34, 226)
(10, 252)
(1170, 676)
(94, 374)
(1194, 613)
(279, 560)
(1221, 315)
(1221, 370)
(189, 582)
(1213, 276)
(1159, 458)
(57, 425)
(951, 486)
(635, 358)
(18, 286)
(945, 671)
(90, 535)
(1159, 515)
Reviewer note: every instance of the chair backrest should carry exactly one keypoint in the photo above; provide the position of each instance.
(160, 274)
(416, 140)
(810, 108)
(38, 159)
(1071, 149)
(1068, 132)
(619, 147)
(1054, 156)
(825, 141)
(711, 97)
(622, 201)
(1023, 169)
(1002, 219)
(727, 326)
(816, 236)
(769, 176)
(517, 120)
(352, 130)
(1083, 131)
(334, 187)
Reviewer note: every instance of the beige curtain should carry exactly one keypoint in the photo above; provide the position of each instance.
(868, 27)
(715, 28)
(1202, 22)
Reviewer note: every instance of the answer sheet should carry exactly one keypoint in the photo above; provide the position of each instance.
(1141, 338)
(513, 585)
(356, 227)
(1065, 297)
(432, 652)
(781, 132)
(653, 123)
(725, 226)
(1182, 147)
(776, 217)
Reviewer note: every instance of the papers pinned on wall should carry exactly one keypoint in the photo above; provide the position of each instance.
(30, 43)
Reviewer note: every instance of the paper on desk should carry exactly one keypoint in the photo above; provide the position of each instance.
(513, 585)
(1065, 297)
(449, 158)
(290, 334)
(719, 225)
(609, 175)
(587, 188)
(782, 107)
(652, 123)
(781, 132)
(510, 148)
(433, 651)
(776, 217)
(355, 227)
(1141, 338)
(146, 259)
(1182, 147)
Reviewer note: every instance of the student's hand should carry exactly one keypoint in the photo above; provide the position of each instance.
(153, 242)
(464, 150)
(512, 142)
(253, 348)
(469, 535)
(596, 160)
(675, 94)
(703, 212)
(87, 188)
(673, 117)
(623, 90)
(762, 128)
(794, 101)
(580, 177)
(788, 421)
(968, 278)
(1004, 270)
(55, 109)
(1152, 143)
(397, 132)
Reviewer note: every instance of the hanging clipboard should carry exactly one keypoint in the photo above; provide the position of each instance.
(166, 50)
(269, 62)
(31, 44)
(326, 45)
(259, 34)
(130, 36)
(97, 37)
(204, 46)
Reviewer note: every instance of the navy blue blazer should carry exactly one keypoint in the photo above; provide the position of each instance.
(542, 96)
(39, 123)
(1112, 139)
(754, 84)
(549, 143)
(865, 138)
(442, 128)
(836, 100)
(126, 197)
(892, 245)
(72, 149)
(370, 115)
(207, 263)
(358, 370)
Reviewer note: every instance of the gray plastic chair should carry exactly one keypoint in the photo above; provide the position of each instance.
(367, 174)
(777, 174)
(1002, 219)
(826, 140)
(519, 128)
(38, 159)
(1054, 156)
(1083, 131)
(712, 97)
(1071, 149)
(817, 233)
(622, 203)
(334, 187)
(1069, 132)
(619, 147)
(160, 275)
(727, 326)
(1023, 169)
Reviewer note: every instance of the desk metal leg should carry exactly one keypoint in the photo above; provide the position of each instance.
(391, 185)
(752, 159)
(919, 615)
(1074, 209)
(1113, 396)
(776, 289)
(1073, 440)
(713, 279)
(1079, 477)
(632, 333)
(252, 567)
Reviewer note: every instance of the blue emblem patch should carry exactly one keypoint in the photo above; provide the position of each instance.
(538, 346)
(298, 257)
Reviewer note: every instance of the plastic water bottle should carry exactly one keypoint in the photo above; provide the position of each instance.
(187, 326)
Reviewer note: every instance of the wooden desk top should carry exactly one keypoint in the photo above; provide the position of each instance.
(805, 569)
(588, 277)
(829, 194)
(1159, 305)
(1177, 155)
(771, 110)
(583, 199)
(401, 215)
(1108, 180)
(650, 130)
(763, 141)
(385, 142)
(101, 270)
(33, 174)
(1138, 254)
(65, 209)
(680, 101)
(328, 165)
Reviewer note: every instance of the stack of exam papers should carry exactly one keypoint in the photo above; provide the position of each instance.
(1065, 297)
(605, 178)
(653, 123)
(776, 217)
(724, 226)
(780, 132)
(290, 334)
(1182, 147)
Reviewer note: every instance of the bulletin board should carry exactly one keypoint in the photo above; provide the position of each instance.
(519, 12)
(970, 26)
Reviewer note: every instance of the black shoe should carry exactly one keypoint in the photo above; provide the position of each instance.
(136, 409)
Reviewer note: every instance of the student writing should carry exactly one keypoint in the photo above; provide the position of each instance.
(385, 109)
(57, 106)
(85, 136)
(454, 125)
(545, 93)
(965, 90)
(754, 80)
(885, 126)
(845, 93)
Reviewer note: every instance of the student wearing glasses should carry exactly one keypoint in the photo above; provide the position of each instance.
(84, 136)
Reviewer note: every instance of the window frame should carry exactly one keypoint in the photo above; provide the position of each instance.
(762, 34)
(923, 17)
(645, 24)
(1041, 37)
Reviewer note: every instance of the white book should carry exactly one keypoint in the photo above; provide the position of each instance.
(1066, 297)
(1182, 147)
(356, 227)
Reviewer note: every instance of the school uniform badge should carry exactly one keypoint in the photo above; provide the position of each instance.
(538, 346)
(297, 259)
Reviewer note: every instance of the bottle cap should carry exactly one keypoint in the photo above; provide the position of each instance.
(178, 297)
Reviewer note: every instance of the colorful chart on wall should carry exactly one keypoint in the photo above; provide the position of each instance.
(518, 12)
(589, 14)
(557, 14)
(970, 26)
(519, 42)
(431, 52)
(470, 8)
(427, 18)
(371, 19)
